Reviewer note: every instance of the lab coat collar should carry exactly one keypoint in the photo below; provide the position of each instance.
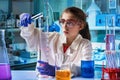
(62, 40)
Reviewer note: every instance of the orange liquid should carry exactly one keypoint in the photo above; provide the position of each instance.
(63, 75)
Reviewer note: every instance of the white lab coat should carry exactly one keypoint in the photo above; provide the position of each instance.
(80, 49)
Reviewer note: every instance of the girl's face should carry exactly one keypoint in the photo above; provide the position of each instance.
(70, 26)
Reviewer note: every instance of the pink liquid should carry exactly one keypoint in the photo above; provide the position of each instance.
(110, 42)
(5, 73)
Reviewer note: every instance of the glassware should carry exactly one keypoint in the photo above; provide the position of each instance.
(87, 68)
(111, 68)
(5, 72)
(111, 71)
(63, 75)
(110, 32)
(110, 42)
(62, 72)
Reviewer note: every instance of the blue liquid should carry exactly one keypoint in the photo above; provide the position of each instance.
(87, 69)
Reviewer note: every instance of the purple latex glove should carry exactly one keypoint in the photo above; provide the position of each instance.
(46, 69)
(25, 19)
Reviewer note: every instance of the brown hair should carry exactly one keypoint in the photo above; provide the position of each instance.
(80, 16)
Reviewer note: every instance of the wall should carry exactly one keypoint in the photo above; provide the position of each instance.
(4, 4)
(20, 6)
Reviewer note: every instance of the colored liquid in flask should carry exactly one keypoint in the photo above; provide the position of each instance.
(5, 73)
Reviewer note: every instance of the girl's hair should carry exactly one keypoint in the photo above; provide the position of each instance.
(80, 16)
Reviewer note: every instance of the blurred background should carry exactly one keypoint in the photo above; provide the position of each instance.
(96, 11)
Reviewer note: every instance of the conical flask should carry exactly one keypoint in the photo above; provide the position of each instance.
(5, 72)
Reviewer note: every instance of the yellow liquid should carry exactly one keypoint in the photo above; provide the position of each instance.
(63, 75)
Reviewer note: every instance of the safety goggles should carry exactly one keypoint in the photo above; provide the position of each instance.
(69, 23)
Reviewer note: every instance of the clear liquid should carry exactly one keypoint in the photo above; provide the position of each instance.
(5, 73)
(110, 42)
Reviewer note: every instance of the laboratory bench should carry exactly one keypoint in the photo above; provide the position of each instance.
(24, 64)
(27, 66)
(31, 75)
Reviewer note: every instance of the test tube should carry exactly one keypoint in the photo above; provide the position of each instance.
(110, 41)
(110, 33)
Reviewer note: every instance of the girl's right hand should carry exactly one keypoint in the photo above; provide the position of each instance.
(25, 19)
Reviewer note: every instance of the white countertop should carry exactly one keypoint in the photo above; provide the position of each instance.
(31, 75)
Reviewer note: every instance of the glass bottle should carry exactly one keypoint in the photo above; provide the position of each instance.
(4, 61)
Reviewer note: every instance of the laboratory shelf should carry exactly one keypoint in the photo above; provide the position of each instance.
(101, 28)
(13, 29)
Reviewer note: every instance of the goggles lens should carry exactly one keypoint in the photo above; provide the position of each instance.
(69, 23)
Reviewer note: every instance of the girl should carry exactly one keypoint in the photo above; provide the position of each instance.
(65, 50)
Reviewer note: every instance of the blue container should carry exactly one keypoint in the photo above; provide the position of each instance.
(110, 21)
(118, 20)
(101, 20)
(87, 69)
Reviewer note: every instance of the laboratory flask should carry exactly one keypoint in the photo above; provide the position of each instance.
(5, 72)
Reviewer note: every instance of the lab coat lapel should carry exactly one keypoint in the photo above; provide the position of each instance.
(74, 46)
(62, 39)
(76, 42)
(72, 50)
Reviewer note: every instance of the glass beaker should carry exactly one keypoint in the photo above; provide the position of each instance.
(4, 61)
(63, 75)
(62, 72)
(87, 68)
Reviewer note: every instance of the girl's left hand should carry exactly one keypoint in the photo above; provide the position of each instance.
(46, 69)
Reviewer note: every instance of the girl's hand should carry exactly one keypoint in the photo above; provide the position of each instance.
(25, 19)
(46, 69)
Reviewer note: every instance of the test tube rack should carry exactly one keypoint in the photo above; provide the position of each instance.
(113, 73)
